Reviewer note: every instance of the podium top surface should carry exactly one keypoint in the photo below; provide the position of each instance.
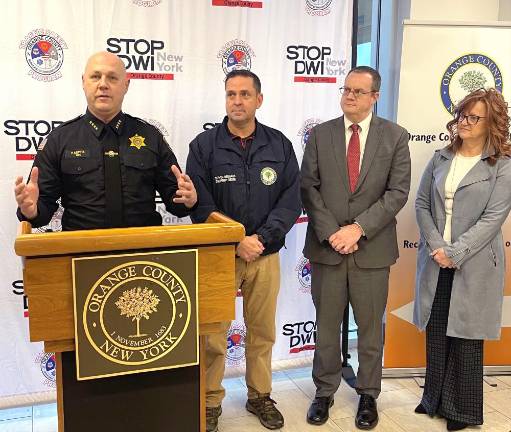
(219, 229)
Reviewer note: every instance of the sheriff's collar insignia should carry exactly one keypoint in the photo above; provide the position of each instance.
(137, 141)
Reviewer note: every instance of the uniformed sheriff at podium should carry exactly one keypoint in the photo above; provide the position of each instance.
(106, 166)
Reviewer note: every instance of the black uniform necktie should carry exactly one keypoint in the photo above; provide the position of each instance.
(113, 185)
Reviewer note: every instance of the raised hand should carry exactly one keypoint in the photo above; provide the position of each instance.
(27, 194)
(186, 193)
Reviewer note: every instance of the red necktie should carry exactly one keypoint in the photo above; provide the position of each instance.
(353, 156)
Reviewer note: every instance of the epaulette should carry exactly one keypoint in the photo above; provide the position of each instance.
(155, 127)
(71, 121)
(138, 118)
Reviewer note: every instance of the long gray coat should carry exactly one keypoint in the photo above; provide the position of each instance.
(481, 205)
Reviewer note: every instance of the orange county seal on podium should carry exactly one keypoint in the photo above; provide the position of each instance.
(135, 313)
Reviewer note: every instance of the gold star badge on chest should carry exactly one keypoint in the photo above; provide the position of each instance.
(137, 141)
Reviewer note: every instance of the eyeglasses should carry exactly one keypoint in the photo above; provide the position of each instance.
(472, 120)
(356, 92)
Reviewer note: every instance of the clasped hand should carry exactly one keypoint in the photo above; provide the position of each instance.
(250, 248)
(345, 241)
(442, 259)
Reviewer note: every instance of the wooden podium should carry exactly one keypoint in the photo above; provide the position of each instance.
(166, 398)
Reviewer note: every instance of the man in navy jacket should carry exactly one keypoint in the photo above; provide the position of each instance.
(249, 172)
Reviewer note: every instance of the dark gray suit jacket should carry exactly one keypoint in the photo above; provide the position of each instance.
(381, 191)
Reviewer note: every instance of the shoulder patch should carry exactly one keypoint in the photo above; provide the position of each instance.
(136, 118)
(72, 120)
(42, 144)
(153, 125)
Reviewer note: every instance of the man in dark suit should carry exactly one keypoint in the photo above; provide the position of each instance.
(355, 178)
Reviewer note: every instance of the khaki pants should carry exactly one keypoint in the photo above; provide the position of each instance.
(259, 282)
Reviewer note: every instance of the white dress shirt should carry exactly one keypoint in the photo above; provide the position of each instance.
(362, 133)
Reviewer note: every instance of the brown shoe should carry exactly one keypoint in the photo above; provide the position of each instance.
(264, 408)
(212, 414)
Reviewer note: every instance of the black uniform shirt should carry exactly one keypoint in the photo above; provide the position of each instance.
(71, 167)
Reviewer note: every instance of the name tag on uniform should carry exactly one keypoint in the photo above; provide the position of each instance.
(79, 153)
(225, 178)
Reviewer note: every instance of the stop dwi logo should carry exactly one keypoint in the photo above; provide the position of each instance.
(28, 134)
(146, 59)
(315, 64)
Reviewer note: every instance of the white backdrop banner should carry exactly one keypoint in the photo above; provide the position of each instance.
(177, 54)
(441, 63)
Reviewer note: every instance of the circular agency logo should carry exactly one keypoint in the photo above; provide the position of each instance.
(318, 7)
(304, 274)
(236, 335)
(48, 367)
(306, 128)
(466, 74)
(268, 176)
(44, 54)
(147, 295)
(235, 55)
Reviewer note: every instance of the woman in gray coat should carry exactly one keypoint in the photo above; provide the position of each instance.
(463, 199)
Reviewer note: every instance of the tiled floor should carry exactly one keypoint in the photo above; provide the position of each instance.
(293, 390)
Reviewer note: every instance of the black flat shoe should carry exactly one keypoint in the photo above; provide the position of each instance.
(318, 411)
(453, 425)
(419, 409)
(367, 413)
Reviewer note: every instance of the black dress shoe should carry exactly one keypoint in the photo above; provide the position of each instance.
(318, 411)
(419, 409)
(453, 425)
(367, 414)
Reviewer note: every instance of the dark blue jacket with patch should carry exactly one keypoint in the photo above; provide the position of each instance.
(262, 193)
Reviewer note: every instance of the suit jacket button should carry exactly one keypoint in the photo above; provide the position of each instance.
(350, 200)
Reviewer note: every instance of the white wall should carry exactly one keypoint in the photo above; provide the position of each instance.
(393, 12)
(505, 10)
(456, 10)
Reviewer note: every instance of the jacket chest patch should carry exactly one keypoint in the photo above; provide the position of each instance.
(225, 178)
(268, 176)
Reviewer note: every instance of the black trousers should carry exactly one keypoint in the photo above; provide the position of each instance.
(454, 366)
